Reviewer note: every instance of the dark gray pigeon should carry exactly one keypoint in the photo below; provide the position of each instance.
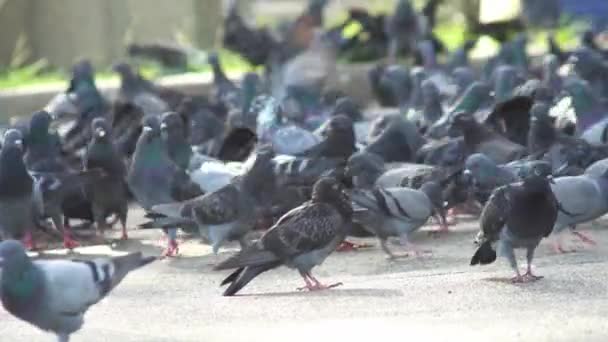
(19, 202)
(231, 212)
(301, 239)
(154, 179)
(54, 295)
(43, 146)
(398, 212)
(517, 215)
(485, 175)
(481, 139)
(339, 140)
(109, 194)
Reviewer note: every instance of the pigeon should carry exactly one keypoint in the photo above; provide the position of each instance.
(485, 175)
(54, 295)
(482, 139)
(397, 142)
(301, 239)
(474, 99)
(20, 203)
(173, 133)
(108, 195)
(89, 102)
(154, 179)
(396, 212)
(138, 91)
(583, 199)
(517, 215)
(232, 211)
(43, 147)
(339, 140)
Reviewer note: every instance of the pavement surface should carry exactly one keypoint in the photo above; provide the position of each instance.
(435, 297)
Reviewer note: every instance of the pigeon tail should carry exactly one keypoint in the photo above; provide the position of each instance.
(242, 276)
(125, 264)
(484, 255)
(251, 256)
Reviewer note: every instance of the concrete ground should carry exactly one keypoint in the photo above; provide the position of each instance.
(437, 297)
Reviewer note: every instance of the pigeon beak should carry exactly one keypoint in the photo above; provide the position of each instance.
(163, 126)
(19, 143)
(147, 129)
(100, 132)
(551, 180)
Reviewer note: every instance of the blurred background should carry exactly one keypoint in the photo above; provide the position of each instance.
(40, 40)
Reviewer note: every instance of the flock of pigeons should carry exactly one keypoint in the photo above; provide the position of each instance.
(523, 137)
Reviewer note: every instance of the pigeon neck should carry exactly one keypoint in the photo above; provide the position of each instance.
(19, 278)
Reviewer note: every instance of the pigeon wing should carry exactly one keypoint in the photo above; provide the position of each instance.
(495, 213)
(309, 227)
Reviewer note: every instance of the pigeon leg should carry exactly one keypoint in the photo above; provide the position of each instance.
(558, 245)
(390, 254)
(28, 241)
(309, 284)
(443, 225)
(320, 286)
(584, 238)
(123, 223)
(172, 247)
(529, 276)
(63, 338)
(347, 246)
(68, 242)
(412, 248)
(509, 253)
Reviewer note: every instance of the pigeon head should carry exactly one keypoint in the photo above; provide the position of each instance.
(100, 129)
(14, 178)
(431, 101)
(542, 133)
(346, 106)
(13, 138)
(505, 80)
(330, 190)
(340, 123)
(82, 70)
(396, 78)
(435, 194)
(537, 176)
(12, 256)
(39, 124)
(123, 69)
(172, 126)
(481, 168)
(150, 127)
(365, 168)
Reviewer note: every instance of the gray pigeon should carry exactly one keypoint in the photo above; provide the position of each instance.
(583, 199)
(19, 202)
(517, 215)
(302, 239)
(388, 212)
(108, 195)
(232, 211)
(154, 179)
(54, 295)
